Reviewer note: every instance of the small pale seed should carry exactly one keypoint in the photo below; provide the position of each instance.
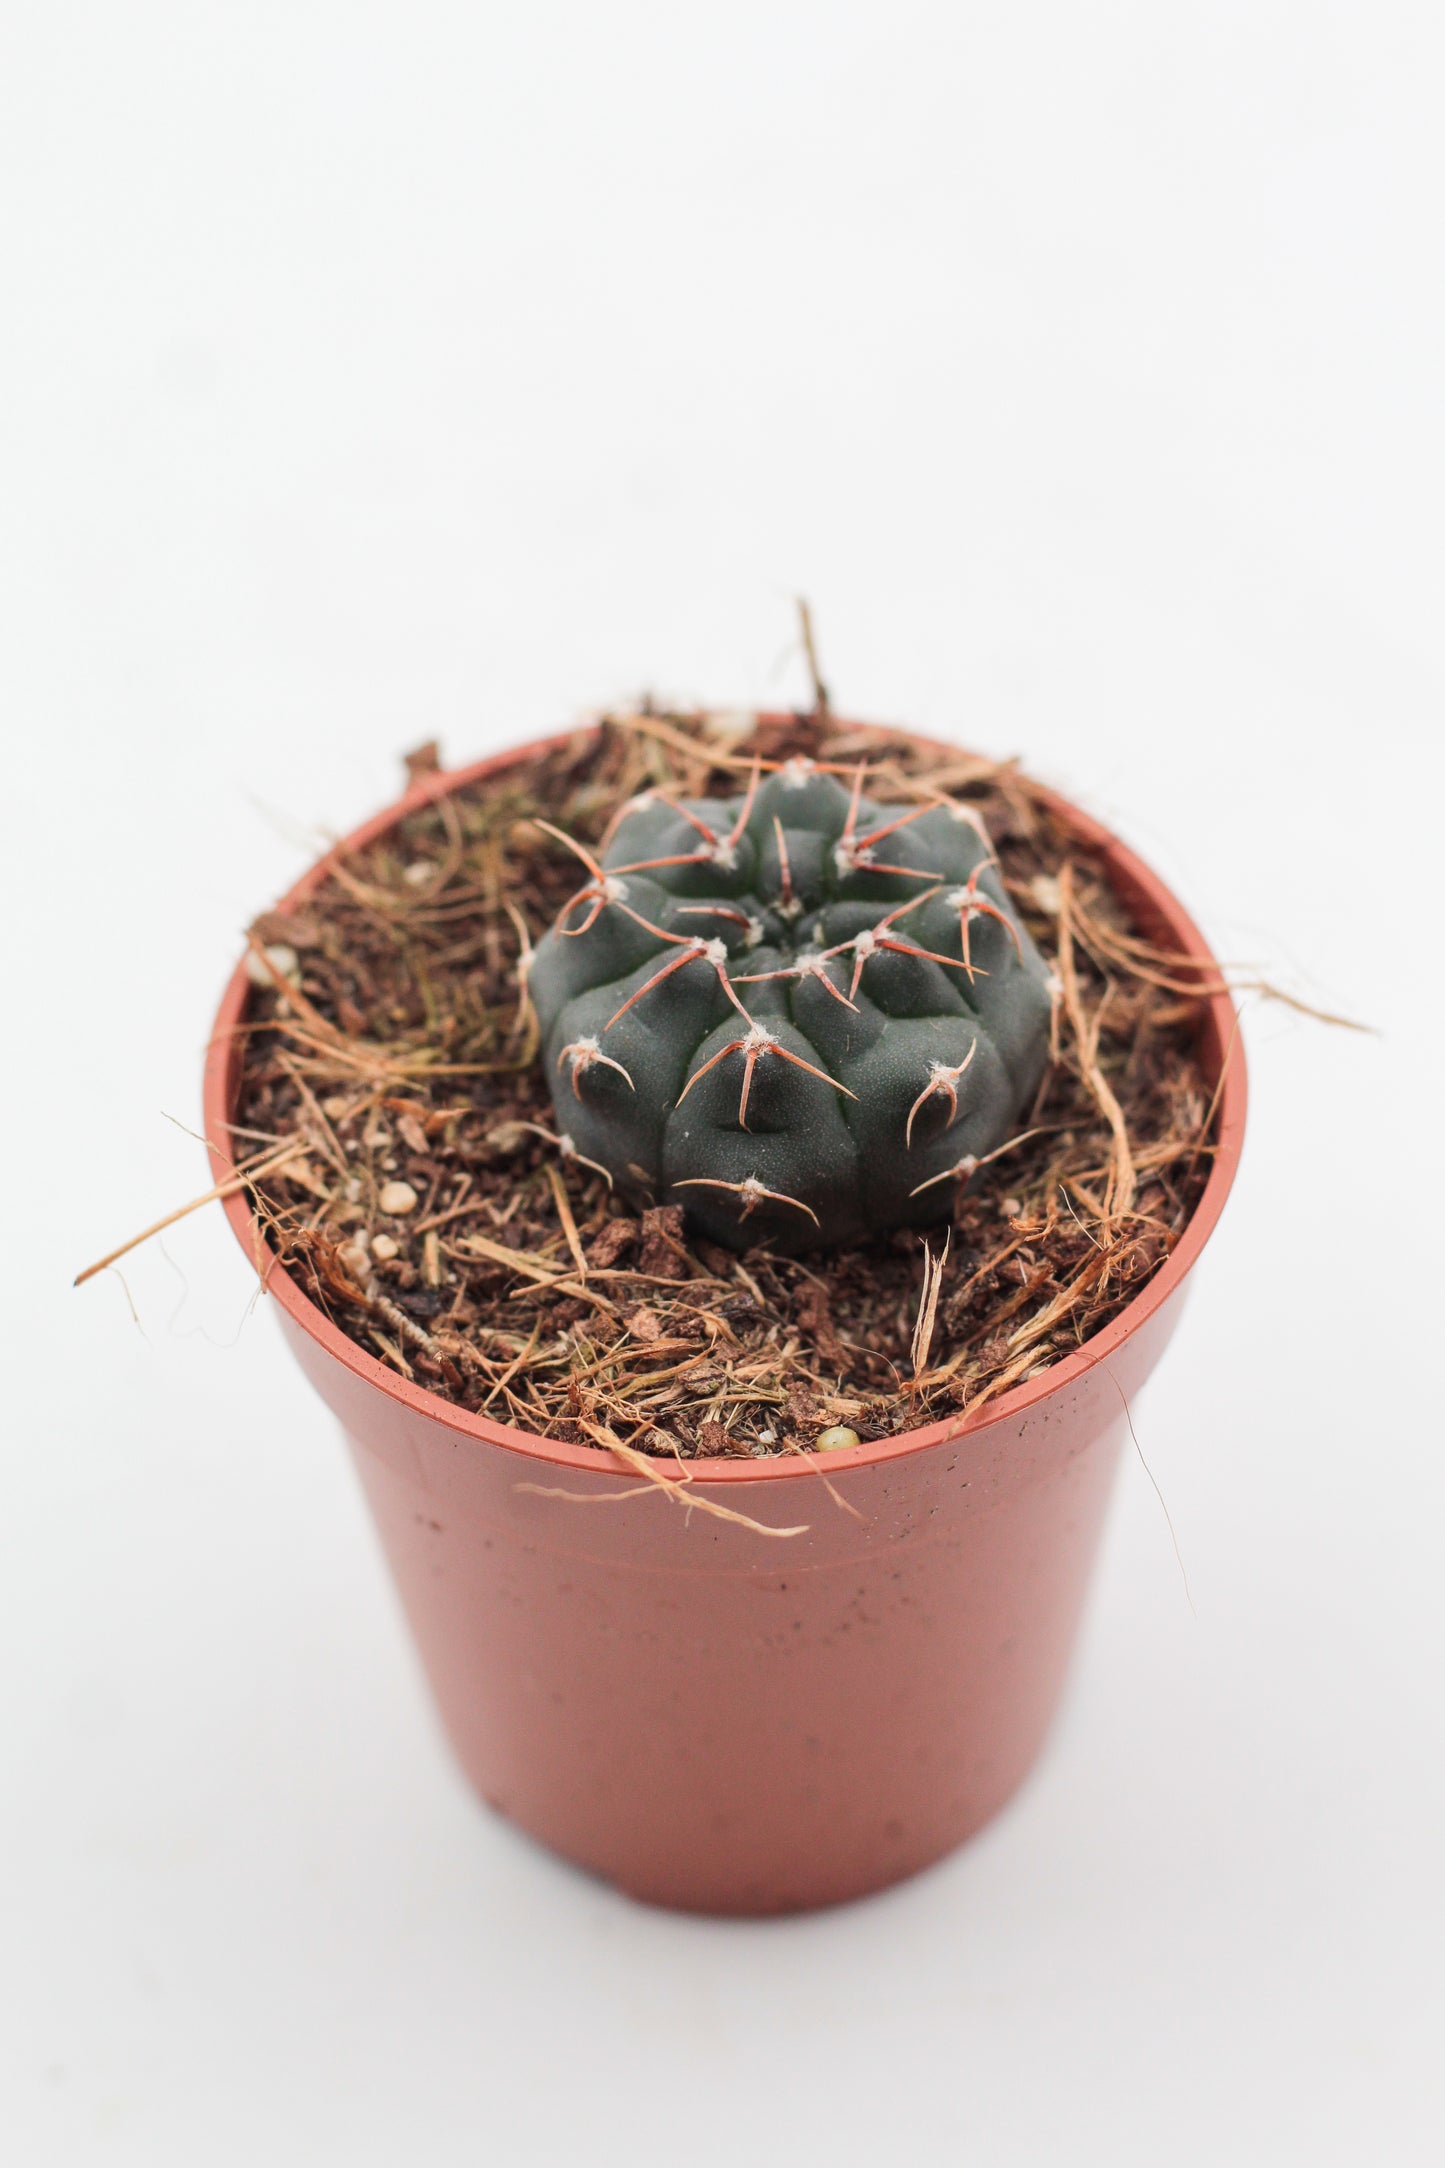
(837, 1439)
(283, 961)
(506, 1138)
(356, 1261)
(383, 1247)
(397, 1199)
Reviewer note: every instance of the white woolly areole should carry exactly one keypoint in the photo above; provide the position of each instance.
(723, 854)
(613, 889)
(584, 1050)
(759, 1037)
(715, 952)
(865, 942)
(795, 772)
(847, 857)
(754, 933)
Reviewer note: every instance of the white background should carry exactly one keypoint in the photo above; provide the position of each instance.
(369, 373)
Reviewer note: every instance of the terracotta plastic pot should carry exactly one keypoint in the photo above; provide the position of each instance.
(707, 1716)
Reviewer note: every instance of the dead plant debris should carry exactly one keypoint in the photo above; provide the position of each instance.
(411, 1177)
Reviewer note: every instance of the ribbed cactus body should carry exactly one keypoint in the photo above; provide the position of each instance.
(795, 1012)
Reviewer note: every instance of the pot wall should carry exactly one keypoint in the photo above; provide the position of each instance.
(721, 1721)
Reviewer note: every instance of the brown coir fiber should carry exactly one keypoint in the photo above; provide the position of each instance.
(402, 1157)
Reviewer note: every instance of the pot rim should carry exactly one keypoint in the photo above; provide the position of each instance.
(1126, 871)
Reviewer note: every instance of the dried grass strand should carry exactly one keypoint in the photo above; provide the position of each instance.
(241, 1180)
(1122, 1181)
(694, 1500)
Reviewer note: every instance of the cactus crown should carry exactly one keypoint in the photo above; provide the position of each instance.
(800, 1014)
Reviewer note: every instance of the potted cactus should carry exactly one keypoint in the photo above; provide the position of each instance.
(744, 1542)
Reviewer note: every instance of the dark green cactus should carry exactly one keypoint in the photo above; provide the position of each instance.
(800, 1014)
